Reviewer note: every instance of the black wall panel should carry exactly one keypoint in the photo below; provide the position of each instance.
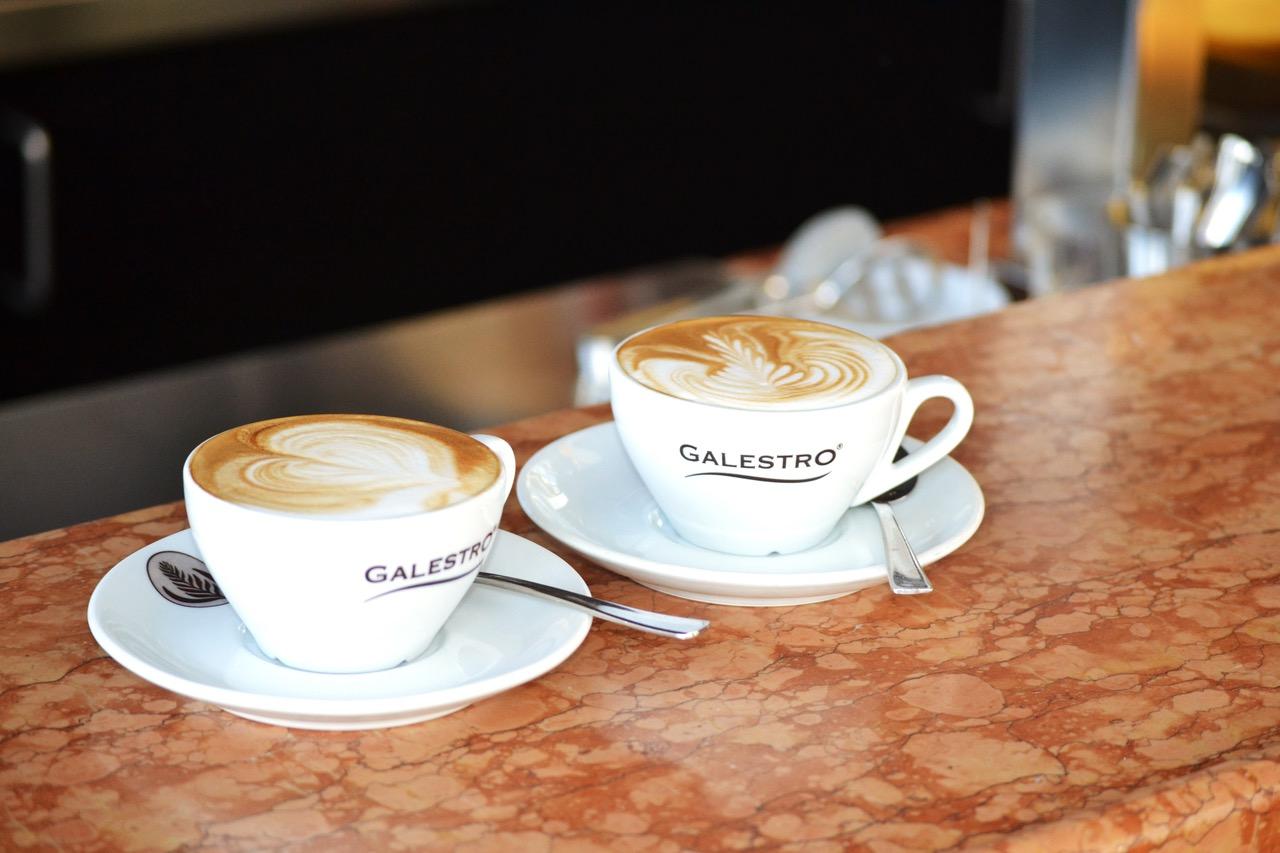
(215, 195)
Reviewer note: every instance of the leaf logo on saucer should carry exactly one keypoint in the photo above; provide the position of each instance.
(183, 579)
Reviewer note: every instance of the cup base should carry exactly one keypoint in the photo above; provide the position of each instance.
(743, 545)
(251, 645)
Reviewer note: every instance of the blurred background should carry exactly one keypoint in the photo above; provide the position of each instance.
(216, 211)
(275, 177)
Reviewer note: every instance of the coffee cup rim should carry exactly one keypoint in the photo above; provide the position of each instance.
(899, 379)
(190, 482)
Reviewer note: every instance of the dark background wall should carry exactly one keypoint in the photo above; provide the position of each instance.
(233, 192)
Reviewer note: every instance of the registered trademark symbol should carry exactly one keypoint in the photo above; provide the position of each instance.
(840, 446)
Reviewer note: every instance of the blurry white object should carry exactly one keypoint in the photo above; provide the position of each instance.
(818, 246)
(898, 289)
(882, 285)
(836, 268)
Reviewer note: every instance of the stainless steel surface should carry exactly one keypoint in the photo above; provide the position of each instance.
(1070, 129)
(1073, 140)
(80, 455)
(906, 577)
(662, 624)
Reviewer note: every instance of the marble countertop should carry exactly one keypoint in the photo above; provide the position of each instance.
(1096, 669)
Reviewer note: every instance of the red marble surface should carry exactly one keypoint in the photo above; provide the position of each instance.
(1095, 671)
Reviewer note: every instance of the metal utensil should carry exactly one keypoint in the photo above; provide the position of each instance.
(662, 624)
(1186, 210)
(906, 577)
(1238, 185)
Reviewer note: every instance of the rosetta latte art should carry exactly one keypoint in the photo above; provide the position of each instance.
(758, 362)
(352, 466)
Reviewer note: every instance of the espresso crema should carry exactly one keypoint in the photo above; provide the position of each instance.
(751, 362)
(344, 466)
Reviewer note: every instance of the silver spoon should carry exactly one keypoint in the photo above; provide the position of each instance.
(906, 577)
(662, 624)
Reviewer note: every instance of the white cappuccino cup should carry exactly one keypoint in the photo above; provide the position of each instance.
(344, 542)
(755, 434)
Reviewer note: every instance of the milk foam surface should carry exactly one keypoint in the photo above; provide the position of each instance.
(752, 362)
(344, 466)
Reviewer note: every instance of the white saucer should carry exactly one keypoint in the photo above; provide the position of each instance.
(582, 490)
(494, 641)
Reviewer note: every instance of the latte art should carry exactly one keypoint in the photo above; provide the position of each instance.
(758, 362)
(347, 466)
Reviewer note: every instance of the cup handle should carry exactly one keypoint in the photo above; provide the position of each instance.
(506, 456)
(889, 473)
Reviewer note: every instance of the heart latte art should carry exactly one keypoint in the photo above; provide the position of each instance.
(758, 362)
(348, 466)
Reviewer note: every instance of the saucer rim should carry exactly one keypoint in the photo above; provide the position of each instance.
(344, 709)
(839, 581)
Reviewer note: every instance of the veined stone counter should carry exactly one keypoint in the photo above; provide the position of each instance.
(1097, 668)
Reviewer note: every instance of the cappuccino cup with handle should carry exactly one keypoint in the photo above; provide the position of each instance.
(344, 542)
(755, 434)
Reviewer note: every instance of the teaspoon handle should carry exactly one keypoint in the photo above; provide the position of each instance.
(905, 575)
(662, 624)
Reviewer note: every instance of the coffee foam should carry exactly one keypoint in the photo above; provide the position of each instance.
(344, 466)
(752, 362)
